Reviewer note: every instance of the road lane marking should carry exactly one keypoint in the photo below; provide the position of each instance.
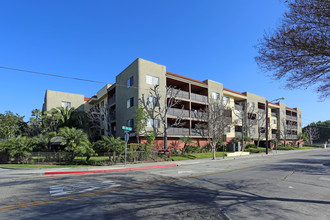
(5, 208)
(80, 187)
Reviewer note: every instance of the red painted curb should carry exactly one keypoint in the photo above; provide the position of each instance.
(113, 170)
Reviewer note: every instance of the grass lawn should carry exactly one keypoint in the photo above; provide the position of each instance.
(304, 148)
(195, 156)
(38, 166)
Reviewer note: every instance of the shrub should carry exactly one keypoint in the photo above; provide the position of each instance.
(250, 146)
(255, 150)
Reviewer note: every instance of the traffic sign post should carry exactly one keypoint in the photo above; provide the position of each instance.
(126, 130)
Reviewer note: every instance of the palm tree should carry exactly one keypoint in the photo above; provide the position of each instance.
(65, 114)
(76, 141)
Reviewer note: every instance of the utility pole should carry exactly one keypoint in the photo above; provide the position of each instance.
(267, 122)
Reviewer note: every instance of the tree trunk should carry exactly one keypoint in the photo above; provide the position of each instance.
(165, 136)
(213, 150)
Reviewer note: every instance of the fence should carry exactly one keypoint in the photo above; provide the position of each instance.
(107, 158)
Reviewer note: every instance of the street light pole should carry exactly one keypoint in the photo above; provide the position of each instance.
(267, 127)
(267, 122)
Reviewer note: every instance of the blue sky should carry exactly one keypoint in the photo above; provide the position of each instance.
(98, 39)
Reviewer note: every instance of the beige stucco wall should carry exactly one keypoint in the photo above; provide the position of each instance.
(53, 99)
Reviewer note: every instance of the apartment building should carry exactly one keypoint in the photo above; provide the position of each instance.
(116, 104)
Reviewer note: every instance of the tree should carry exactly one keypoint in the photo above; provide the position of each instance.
(298, 50)
(261, 124)
(11, 125)
(324, 131)
(140, 116)
(312, 133)
(158, 111)
(36, 121)
(76, 141)
(17, 147)
(111, 144)
(247, 118)
(186, 140)
(218, 120)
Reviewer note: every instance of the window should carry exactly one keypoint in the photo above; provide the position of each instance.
(274, 121)
(225, 100)
(251, 104)
(130, 102)
(252, 131)
(130, 82)
(153, 123)
(66, 104)
(130, 123)
(282, 112)
(102, 104)
(151, 101)
(152, 80)
(299, 124)
(299, 115)
(215, 95)
(227, 129)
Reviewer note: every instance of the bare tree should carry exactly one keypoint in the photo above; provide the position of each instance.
(312, 133)
(298, 50)
(219, 118)
(159, 111)
(261, 124)
(247, 118)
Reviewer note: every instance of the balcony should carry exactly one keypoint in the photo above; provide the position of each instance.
(289, 117)
(273, 135)
(274, 114)
(199, 132)
(178, 112)
(261, 110)
(197, 97)
(252, 121)
(289, 136)
(112, 100)
(198, 115)
(238, 107)
(178, 131)
(113, 117)
(294, 127)
(181, 94)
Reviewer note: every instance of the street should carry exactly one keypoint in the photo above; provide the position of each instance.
(287, 185)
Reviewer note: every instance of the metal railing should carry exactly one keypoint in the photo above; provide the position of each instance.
(291, 117)
(112, 100)
(198, 115)
(197, 97)
(238, 107)
(177, 131)
(199, 132)
(274, 114)
(178, 112)
(181, 94)
(291, 136)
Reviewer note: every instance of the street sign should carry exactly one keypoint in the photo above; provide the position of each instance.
(126, 137)
(126, 128)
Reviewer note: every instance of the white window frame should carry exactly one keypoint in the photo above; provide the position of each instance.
(252, 104)
(152, 80)
(65, 104)
(130, 102)
(130, 123)
(130, 82)
(225, 100)
(151, 122)
(215, 95)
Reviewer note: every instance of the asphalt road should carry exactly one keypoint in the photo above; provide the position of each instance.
(293, 185)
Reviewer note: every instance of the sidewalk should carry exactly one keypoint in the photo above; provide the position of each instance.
(6, 172)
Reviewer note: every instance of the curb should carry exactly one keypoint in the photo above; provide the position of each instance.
(112, 170)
